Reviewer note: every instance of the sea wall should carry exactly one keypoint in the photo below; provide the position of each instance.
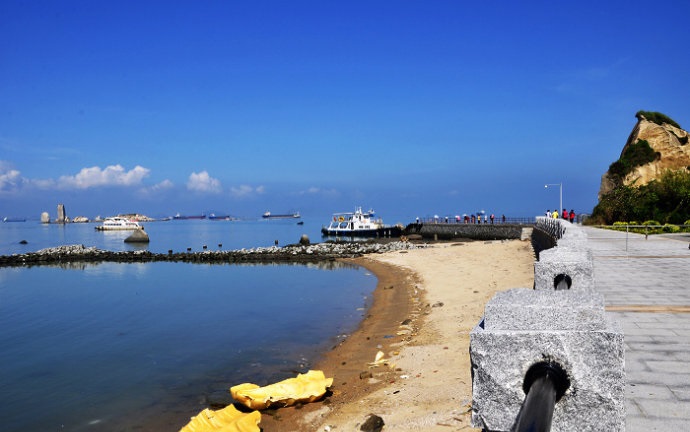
(450, 231)
(546, 233)
(551, 352)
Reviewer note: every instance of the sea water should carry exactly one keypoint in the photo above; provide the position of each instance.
(175, 235)
(145, 346)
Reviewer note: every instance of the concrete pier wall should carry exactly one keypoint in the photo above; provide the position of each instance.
(443, 231)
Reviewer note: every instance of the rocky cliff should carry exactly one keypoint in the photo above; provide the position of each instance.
(670, 143)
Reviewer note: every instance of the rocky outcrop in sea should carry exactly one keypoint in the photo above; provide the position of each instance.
(298, 253)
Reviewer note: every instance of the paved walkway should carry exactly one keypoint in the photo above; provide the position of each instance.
(646, 284)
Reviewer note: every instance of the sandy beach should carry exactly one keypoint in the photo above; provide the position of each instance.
(426, 303)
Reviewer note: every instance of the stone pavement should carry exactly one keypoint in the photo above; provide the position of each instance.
(646, 285)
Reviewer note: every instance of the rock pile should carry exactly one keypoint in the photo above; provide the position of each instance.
(292, 253)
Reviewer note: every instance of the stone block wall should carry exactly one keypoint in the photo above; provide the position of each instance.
(556, 323)
(469, 231)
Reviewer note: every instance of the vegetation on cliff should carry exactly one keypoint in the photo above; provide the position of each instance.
(657, 117)
(635, 155)
(666, 200)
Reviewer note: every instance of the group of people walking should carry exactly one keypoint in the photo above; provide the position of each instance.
(565, 215)
(479, 218)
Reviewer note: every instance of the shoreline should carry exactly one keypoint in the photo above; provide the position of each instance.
(425, 303)
(392, 304)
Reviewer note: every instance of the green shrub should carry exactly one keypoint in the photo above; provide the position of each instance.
(653, 225)
(620, 226)
(670, 228)
(686, 228)
(657, 117)
(637, 154)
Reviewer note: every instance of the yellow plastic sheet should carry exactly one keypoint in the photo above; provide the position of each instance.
(228, 419)
(307, 387)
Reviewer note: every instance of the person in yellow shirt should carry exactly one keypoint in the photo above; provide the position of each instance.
(555, 214)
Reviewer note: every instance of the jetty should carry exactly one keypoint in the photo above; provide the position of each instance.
(298, 253)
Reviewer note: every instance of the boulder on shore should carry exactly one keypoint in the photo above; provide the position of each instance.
(138, 236)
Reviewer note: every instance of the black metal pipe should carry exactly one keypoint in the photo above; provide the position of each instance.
(545, 383)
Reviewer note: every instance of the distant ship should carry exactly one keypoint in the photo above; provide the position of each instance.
(214, 216)
(181, 217)
(13, 219)
(269, 215)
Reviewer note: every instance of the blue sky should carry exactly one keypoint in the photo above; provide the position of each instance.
(412, 108)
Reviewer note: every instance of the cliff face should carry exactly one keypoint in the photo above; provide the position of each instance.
(670, 144)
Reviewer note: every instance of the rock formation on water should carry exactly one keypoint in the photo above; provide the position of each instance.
(667, 140)
(138, 236)
(61, 214)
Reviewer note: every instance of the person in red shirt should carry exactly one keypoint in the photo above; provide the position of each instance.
(565, 214)
(572, 216)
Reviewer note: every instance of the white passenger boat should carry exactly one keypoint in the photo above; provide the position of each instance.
(119, 224)
(359, 224)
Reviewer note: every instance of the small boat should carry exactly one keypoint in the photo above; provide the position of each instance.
(359, 224)
(119, 224)
(269, 215)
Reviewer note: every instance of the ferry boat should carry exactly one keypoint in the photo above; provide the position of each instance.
(119, 224)
(359, 224)
(269, 215)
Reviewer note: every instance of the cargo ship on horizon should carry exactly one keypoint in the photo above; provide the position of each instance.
(269, 215)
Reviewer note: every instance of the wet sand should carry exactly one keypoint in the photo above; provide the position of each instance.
(425, 305)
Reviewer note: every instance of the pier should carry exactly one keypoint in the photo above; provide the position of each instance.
(486, 231)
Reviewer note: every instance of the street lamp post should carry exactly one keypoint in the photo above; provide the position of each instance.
(560, 187)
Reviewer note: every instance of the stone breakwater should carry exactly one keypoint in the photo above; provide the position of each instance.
(314, 253)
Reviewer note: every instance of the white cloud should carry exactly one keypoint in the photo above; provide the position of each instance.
(319, 191)
(112, 175)
(246, 190)
(10, 179)
(165, 184)
(157, 188)
(202, 182)
(43, 184)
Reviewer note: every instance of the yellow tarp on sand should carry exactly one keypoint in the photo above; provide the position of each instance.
(228, 419)
(307, 387)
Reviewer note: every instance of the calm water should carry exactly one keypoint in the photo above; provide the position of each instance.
(145, 346)
(175, 235)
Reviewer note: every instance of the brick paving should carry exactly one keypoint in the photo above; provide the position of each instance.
(646, 285)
